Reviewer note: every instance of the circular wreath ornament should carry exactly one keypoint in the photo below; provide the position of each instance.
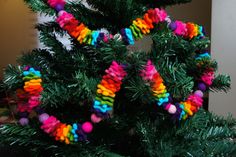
(102, 107)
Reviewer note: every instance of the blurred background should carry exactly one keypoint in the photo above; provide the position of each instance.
(17, 35)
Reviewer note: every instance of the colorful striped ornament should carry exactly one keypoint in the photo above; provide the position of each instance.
(182, 110)
(108, 87)
(102, 107)
(139, 27)
(29, 96)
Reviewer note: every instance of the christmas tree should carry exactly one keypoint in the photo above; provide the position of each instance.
(102, 97)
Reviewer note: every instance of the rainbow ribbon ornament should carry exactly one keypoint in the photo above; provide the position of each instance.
(29, 96)
(102, 106)
(139, 27)
(180, 110)
(108, 87)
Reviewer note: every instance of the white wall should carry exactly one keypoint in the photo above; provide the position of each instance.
(224, 50)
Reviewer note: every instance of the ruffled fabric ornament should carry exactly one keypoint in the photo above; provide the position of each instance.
(63, 133)
(50, 124)
(23, 107)
(139, 27)
(152, 14)
(180, 110)
(148, 20)
(161, 14)
(154, 79)
(29, 96)
(34, 101)
(33, 87)
(208, 77)
(71, 27)
(64, 18)
(180, 28)
(108, 87)
(192, 30)
(196, 100)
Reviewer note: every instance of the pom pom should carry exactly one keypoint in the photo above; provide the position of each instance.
(87, 127)
(24, 121)
(95, 118)
(202, 87)
(43, 117)
(59, 7)
(198, 93)
(60, 13)
(172, 109)
(173, 26)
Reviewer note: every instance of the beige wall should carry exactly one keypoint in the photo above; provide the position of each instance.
(224, 50)
(16, 31)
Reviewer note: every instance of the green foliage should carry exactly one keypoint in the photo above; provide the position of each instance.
(36, 58)
(40, 6)
(121, 13)
(221, 83)
(163, 2)
(12, 77)
(85, 14)
(203, 135)
(49, 39)
(50, 27)
(26, 137)
(177, 80)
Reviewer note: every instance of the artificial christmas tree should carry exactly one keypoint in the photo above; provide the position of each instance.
(101, 98)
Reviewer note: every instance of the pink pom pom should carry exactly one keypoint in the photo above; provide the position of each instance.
(199, 93)
(172, 109)
(43, 117)
(87, 127)
(24, 121)
(95, 118)
(60, 13)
